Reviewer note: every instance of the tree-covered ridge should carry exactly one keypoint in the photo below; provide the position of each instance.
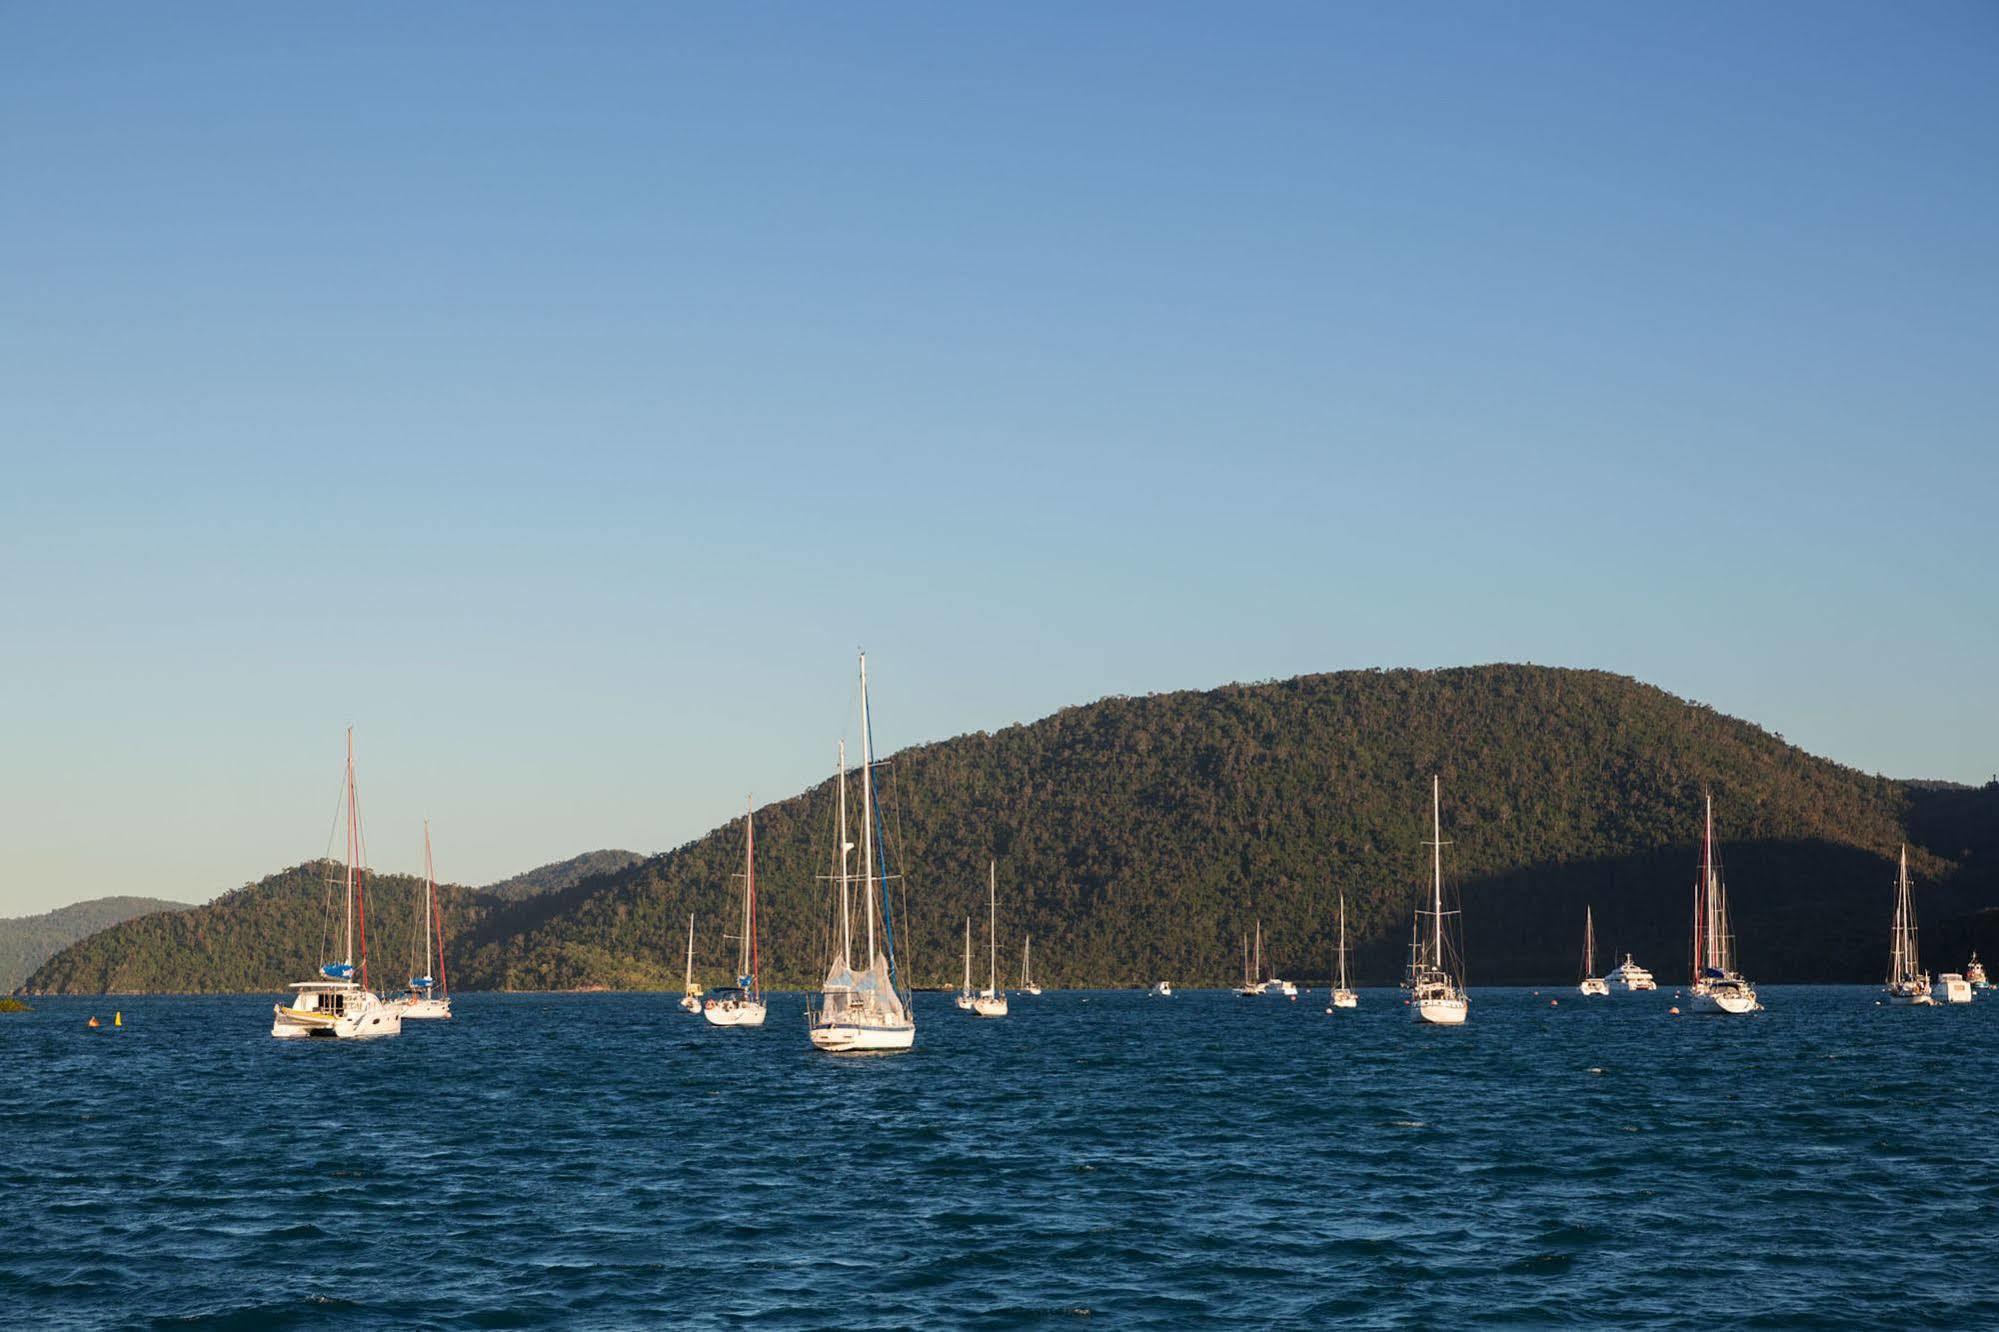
(1139, 838)
(561, 874)
(262, 936)
(28, 941)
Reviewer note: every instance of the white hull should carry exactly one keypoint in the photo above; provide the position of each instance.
(1956, 989)
(690, 1003)
(851, 1038)
(1725, 1001)
(1911, 1000)
(1344, 999)
(989, 1006)
(370, 1019)
(1030, 989)
(420, 1007)
(733, 1013)
(1637, 986)
(1594, 986)
(1161, 990)
(1442, 1012)
(964, 1003)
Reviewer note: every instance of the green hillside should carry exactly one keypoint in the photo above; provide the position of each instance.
(1140, 837)
(28, 941)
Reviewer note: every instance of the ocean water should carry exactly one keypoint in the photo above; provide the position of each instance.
(1098, 1160)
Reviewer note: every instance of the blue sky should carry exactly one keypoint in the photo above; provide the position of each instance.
(560, 394)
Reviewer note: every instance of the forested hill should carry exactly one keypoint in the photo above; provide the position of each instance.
(28, 941)
(561, 874)
(1139, 838)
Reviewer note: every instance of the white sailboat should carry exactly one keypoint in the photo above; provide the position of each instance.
(1908, 983)
(1161, 990)
(1591, 984)
(1717, 987)
(1342, 996)
(864, 1012)
(1027, 984)
(690, 993)
(1250, 987)
(428, 996)
(965, 996)
(339, 1006)
(742, 1004)
(991, 1001)
(1436, 985)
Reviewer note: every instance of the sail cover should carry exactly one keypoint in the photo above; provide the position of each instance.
(839, 998)
(338, 970)
(876, 994)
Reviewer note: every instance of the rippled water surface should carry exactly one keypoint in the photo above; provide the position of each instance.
(1100, 1159)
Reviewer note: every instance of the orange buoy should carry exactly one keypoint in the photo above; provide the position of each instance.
(1674, 1010)
(92, 1023)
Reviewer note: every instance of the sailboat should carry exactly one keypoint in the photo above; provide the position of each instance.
(1592, 983)
(1907, 982)
(428, 997)
(690, 993)
(965, 996)
(1342, 996)
(337, 1005)
(1027, 985)
(742, 1004)
(863, 1013)
(1249, 988)
(1436, 985)
(991, 1001)
(1717, 986)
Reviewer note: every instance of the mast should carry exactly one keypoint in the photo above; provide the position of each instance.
(1437, 867)
(749, 889)
(1712, 923)
(429, 897)
(867, 810)
(1256, 973)
(1343, 940)
(1589, 943)
(968, 955)
(688, 984)
(353, 847)
(992, 927)
(846, 847)
(1026, 976)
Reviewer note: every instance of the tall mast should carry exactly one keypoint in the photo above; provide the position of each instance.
(429, 897)
(689, 982)
(1589, 943)
(749, 883)
(846, 848)
(1713, 921)
(968, 955)
(867, 810)
(1437, 867)
(1343, 940)
(353, 846)
(992, 926)
(1256, 974)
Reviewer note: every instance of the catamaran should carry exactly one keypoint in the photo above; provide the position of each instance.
(1027, 985)
(1908, 983)
(742, 1004)
(1629, 976)
(690, 993)
(1717, 987)
(863, 1013)
(965, 994)
(428, 996)
(1342, 996)
(1591, 982)
(339, 1006)
(1436, 980)
(991, 1001)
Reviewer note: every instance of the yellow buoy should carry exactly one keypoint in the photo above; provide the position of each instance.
(118, 1019)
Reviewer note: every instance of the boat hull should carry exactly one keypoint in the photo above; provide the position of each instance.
(1729, 1000)
(989, 1006)
(1956, 989)
(733, 1013)
(1442, 1012)
(1594, 986)
(1030, 989)
(429, 1009)
(369, 1023)
(852, 1038)
(1344, 999)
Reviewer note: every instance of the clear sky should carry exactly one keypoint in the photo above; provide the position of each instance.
(560, 393)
